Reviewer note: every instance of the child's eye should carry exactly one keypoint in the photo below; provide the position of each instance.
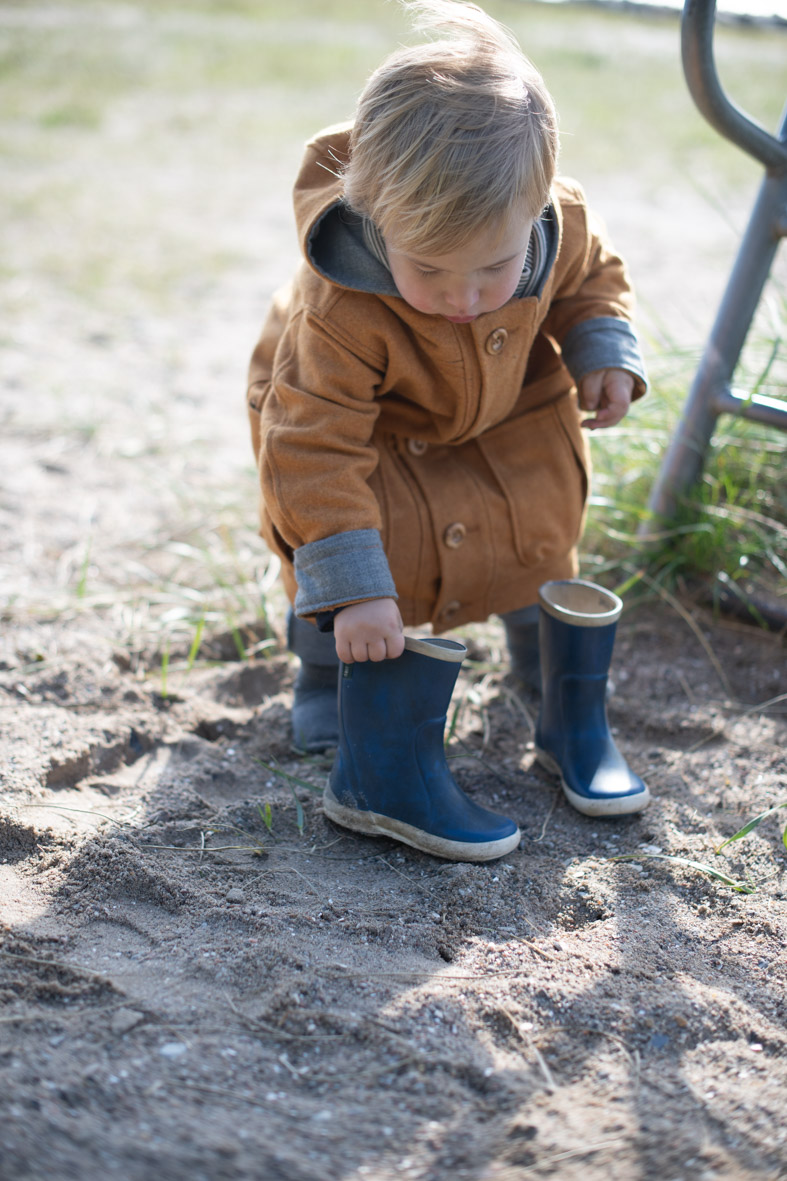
(497, 270)
(424, 273)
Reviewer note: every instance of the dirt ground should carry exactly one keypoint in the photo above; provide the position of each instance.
(188, 995)
(194, 986)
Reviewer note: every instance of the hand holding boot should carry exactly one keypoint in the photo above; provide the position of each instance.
(371, 630)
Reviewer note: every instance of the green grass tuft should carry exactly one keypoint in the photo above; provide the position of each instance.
(729, 532)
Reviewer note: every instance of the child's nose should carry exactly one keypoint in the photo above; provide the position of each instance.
(462, 297)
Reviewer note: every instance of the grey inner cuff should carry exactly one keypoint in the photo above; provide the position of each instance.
(603, 343)
(346, 568)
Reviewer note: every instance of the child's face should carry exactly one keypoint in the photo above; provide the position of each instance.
(463, 284)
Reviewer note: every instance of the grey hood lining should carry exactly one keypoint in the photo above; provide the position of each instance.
(338, 251)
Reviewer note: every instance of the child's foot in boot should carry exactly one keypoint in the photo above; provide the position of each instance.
(573, 738)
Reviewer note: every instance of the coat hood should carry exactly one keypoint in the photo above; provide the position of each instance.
(330, 234)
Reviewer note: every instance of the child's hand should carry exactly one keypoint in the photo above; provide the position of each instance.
(608, 392)
(369, 631)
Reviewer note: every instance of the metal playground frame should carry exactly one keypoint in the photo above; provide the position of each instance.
(711, 393)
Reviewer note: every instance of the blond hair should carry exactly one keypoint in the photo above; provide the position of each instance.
(452, 135)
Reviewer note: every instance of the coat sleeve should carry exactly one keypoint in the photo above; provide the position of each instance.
(591, 311)
(315, 397)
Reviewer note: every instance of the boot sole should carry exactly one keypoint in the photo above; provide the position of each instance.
(374, 825)
(611, 806)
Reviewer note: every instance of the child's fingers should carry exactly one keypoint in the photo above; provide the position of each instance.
(370, 630)
(360, 647)
(343, 651)
(605, 417)
(364, 650)
(590, 388)
(607, 392)
(381, 648)
(395, 645)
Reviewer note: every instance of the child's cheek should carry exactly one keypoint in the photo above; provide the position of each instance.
(416, 296)
(507, 288)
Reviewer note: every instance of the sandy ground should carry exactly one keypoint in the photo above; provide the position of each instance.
(194, 987)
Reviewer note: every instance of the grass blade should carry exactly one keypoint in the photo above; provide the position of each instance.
(300, 819)
(195, 644)
(689, 863)
(164, 671)
(266, 815)
(752, 824)
(84, 571)
(290, 778)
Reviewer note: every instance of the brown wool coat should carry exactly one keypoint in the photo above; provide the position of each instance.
(460, 443)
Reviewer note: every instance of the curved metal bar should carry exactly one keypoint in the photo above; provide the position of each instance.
(711, 393)
(703, 82)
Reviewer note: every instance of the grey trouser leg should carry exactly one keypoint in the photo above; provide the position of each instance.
(312, 646)
(315, 721)
(521, 629)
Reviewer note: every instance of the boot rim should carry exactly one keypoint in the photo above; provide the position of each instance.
(437, 647)
(579, 602)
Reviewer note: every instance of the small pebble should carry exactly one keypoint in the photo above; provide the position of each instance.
(124, 1020)
(172, 1049)
(235, 895)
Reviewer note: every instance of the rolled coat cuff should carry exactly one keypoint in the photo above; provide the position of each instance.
(346, 568)
(604, 343)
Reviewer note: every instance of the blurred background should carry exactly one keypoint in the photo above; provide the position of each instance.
(148, 152)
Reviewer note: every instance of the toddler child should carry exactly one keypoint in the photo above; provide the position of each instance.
(416, 396)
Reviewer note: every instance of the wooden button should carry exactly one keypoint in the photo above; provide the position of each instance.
(417, 446)
(455, 535)
(496, 341)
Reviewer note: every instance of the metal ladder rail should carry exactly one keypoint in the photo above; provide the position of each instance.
(711, 392)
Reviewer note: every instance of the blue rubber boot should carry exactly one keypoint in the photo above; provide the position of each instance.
(390, 777)
(315, 721)
(577, 633)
